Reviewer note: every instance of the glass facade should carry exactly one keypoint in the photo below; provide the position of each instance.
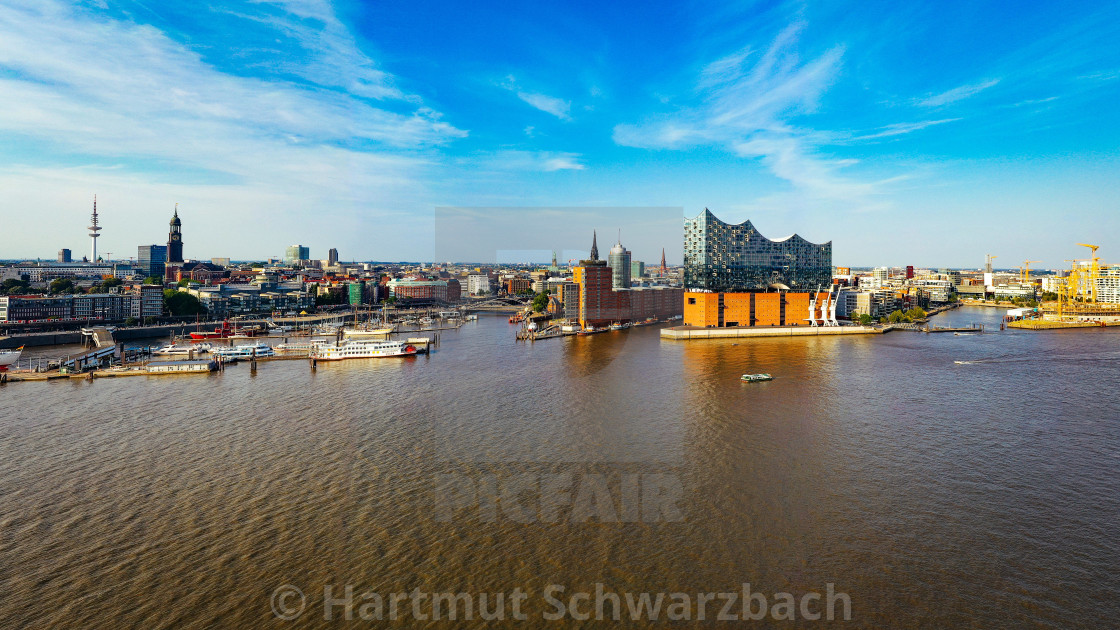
(723, 257)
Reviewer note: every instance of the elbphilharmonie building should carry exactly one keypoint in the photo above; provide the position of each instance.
(722, 257)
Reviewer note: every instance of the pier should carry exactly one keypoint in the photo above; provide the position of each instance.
(686, 333)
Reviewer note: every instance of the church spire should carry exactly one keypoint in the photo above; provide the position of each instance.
(663, 261)
(594, 246)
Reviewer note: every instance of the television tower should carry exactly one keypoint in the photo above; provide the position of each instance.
(94, 228)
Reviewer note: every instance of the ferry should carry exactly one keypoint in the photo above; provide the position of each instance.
(245, 351)
(755, 378)
(363, 350)
(9, 357)
(172, 349)
(300, 346)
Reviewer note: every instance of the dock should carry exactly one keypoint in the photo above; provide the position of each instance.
(687, 333)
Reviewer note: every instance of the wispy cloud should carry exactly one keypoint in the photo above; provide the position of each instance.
(548, 104)
(956, 94)
(112, 91)
(535, 161)
(747, 101)
(898, 129)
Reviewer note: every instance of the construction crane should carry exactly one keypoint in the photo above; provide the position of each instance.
(1025, 275)
(988, 267)
(1094, 272)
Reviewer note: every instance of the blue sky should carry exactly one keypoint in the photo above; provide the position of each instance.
(907, 134)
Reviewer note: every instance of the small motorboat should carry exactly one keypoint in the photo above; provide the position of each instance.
(755, 378)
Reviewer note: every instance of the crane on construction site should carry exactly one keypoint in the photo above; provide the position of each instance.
(1094, 272)
(1025, 272)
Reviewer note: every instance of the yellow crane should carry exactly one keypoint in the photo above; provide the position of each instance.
(1094, 272)
(1025, 271)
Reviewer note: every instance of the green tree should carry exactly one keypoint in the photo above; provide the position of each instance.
(131, 321)
(185, 282)
(11, 286)
(916, 313)
(540, 302)
(61, 285)
(896, 317)
(153, 280)
(180, 303)
(865, 319)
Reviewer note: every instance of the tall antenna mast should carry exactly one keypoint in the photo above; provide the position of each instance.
(94, 228)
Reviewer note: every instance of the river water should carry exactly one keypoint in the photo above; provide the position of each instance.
(931, 493)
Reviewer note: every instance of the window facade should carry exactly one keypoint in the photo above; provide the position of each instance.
(723, 257)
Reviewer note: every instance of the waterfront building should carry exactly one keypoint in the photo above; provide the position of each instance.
(151, 259)
(723, 257)
(418, 288)
(1108, 284)
(296, 253)
(175, 239)
(618, 259)
(734, 276)
(64, 256)
(601, 304)
(24, 308)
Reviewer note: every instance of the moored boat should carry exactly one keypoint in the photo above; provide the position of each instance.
(363, 350)
(175, 350)
(9, 357)
(244, 351)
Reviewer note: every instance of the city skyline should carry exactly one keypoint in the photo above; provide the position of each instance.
(924, 136)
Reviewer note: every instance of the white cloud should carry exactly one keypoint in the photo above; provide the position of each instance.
(956, 94)
(897, 129)
(86, 89)
(548, 104)
(746, 108)
(534, 161)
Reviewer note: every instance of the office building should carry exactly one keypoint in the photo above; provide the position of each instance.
(637, 269)
(618, 259)
(332, 257)
(150, 260)
(295, 253)
(64, 256)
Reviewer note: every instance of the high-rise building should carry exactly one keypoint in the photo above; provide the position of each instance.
(619, 261)
(600, 303)
(637, 269)
(151, 259)
(296, 253)
(332, 257)
(734, 276)
(64, 256)
(175, 239)
(723, 257)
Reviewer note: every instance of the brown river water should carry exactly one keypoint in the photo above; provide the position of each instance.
(929, 493)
